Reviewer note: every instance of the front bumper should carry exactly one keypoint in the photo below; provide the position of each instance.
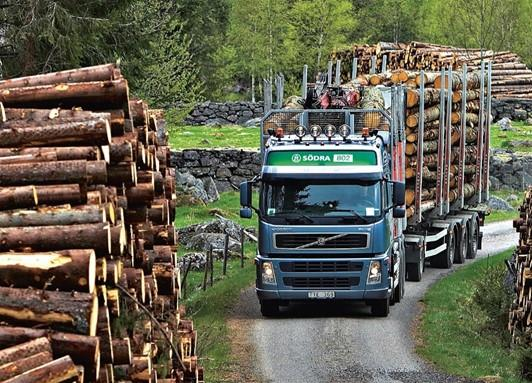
(302, 295)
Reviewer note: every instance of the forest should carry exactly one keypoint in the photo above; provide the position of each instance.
(178, 52)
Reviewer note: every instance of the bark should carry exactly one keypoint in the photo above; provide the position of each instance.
(113, 302)
(473, 81)
(112, 272)
(77, 312)
(165, 275)
(139, 112)
(67, 153)
(135, 280)
(140, 195)
(57, 371)
(92, 172)
(164, 235)
(428, 147)
(431, 114)
(18, 197)
(431, 97)
(24, 350)
(124, 173)
(101, 271)
(94, 95)
(93, 132)
(429, 78)
(372, 99)
(61, 194)
(64, 270)
(159, 212)
(118, 240)
(84, 350)
(22, 365)
(103, 331)
(121, 152)
(95, 236)
(94, 73)
(54, 216)
(471, 118)
(122, 351)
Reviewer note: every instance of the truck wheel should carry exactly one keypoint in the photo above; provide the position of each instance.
(445, 259)
(473, 240)
(461, 247)
(380, 307)
(414, 271)
(400, 289)
(269, 308)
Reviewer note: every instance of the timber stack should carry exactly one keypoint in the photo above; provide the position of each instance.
(511, 77)
(520, 321)
(434, 122)
(89, 283)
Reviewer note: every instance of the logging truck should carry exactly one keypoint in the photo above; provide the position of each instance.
(355, 200)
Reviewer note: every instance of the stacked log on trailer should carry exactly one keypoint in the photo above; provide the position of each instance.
(511, 77)
(520, 323)
(429, 164)
(89, 284)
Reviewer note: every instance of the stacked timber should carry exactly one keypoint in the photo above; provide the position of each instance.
(89, 285)
(434, 125)
(520, 323)
(511, 78)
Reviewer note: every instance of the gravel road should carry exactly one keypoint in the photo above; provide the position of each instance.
(337, 343)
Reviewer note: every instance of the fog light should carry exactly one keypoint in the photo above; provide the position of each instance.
(344, 131)
(374, 275)
(330, 131)
(268, 275)
(315, 131)
(300, 131)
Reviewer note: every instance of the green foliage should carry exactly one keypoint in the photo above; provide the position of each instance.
(190, 137)
(456, 330)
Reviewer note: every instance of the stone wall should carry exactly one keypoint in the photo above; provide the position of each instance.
(213, 113)
(228, 167)
(514, 109)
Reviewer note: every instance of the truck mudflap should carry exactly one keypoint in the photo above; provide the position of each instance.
(416, 245)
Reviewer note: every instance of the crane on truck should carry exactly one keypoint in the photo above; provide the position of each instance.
(333, 224)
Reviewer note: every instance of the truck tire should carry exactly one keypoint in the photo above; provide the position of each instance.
(400, 289)
(269, 308)
(414, 271)
(380, 307)
(473, 240)
(461, 247)
(445, 259)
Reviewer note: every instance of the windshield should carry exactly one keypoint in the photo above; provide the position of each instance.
(306, 200)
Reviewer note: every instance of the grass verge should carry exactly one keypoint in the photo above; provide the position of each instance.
(462, 329)
(503, 139)
(208, 137)
(209, 309)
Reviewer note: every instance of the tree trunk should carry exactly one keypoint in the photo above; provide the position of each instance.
(473, 81)
(140, 195)
(122, 351)
(103, 331)
(94, 95)
(24, 350)
(124, 173)
(431, 97)
(74, 311)
(84, 350)
(122, 152)
(92, 172)
(135, 280)
(94, 73)
(94, 132)
(469, 94)
(57, 371)
(431, 114)
(60, 194)
(22, 365)
(95, 236)
(18, 197)
(54, 216)
(139, 112)
(64, 270)
(67, 153)
(429, 78)
(372, 99)
(428, 147)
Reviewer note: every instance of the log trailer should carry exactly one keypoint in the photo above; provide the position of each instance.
(333, 220)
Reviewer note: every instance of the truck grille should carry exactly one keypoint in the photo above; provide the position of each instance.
(321, 283)
(320, 267)
(292, 241)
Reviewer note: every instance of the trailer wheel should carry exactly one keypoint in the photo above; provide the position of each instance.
(473, 240)
(414, 271)
(461, 247)
(269, 308)
(380, 307)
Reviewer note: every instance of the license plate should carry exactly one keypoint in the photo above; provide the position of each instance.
(321, 294)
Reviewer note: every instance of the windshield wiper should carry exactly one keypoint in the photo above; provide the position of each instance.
(297, 217)
(355, 215)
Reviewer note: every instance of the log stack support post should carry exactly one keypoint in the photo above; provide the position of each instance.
(420, 144)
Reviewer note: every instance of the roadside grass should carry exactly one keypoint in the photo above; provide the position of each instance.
(209, 309)
(462, 329)
(502, 139)
(502, 215)
(209, 137)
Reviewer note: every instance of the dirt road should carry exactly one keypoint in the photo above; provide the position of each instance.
(334, 343)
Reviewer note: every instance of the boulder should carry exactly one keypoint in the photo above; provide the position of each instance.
(497, 203)
(197, 261)
(189, 185)
(211, 189)
(505, 124)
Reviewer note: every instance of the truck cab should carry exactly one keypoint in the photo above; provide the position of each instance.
(331, 208)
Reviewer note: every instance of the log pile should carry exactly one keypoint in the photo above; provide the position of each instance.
(432, 126)
(520, 321)
(87, 242)
(511, 78)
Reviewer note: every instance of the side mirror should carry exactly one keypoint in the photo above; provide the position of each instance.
(398, 193)
(245, 194)
(246, 212)
(399, 212)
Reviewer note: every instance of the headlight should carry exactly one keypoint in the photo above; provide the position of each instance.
(268, 275)
(374, 275)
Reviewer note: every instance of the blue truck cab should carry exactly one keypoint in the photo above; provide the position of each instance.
(331, 208)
